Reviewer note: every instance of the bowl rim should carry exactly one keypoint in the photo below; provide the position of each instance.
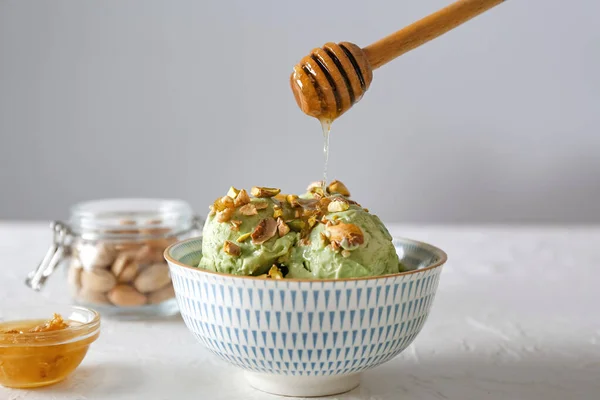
(441, 253)
(44, 339)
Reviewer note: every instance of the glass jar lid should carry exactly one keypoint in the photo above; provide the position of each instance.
(130, 217)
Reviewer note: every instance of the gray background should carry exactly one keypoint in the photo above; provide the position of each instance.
(494, 122)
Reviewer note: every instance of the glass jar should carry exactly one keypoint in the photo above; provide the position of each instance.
(112, 251)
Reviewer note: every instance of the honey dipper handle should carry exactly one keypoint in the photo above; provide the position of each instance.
(424, 30)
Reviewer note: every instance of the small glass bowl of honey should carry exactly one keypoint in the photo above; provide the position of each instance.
(40, 346)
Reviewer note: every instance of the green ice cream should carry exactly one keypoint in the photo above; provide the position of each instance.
(254, 259)
(316, 236)
(376, 256)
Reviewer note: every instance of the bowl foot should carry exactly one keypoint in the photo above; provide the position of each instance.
(303, 386)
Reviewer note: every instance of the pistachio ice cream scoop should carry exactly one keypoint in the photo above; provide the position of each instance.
(319, 235)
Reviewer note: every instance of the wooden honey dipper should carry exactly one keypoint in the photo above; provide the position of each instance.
(328, 81)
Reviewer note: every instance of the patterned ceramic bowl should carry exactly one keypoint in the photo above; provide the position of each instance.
(305, 337)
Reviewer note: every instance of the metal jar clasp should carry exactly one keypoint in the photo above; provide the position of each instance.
(37, 278)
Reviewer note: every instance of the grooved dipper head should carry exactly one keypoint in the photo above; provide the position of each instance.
(328, 81)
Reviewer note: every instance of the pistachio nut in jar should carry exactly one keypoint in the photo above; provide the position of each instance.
(113, 253)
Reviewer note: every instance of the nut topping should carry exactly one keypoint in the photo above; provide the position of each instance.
(233, 192)
(292, 200)
(225, 215)
(296, 225)
(316, 188)
(338, 187)
(232, 249)
(244, 237)
(241, 199)
(338, 204)
(274, 273)
(323, 204)
(226, 201)
(300, 214)
(265, 230)
(258, 191)
(248, 209)
(309, 212)
(281, 197)
(282, 228)
(345, 235)
(221, 204)
(261, 205)
(235, 224)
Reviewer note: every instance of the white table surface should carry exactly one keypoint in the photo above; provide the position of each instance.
(516, 317)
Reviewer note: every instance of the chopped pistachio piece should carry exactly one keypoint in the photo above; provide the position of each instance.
(225, 215)
(241, 199)
(282, 228)
(260, 205)
(282, 197)
(227, 201)
(258, 191)
(338, 187)
(232, 249)
(248, 209)
(292, 200)
(232, 192)
(348, 235)
(222, 203)
(323, 204)
(338, 204)
(318, 192)
(314, 185)
(244, 237)
(235, 224)
(275, 272)
(296, 225)
(264, 231)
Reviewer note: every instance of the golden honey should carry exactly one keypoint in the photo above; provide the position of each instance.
(37, 353)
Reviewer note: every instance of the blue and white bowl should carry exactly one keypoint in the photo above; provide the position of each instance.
(305, 337)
